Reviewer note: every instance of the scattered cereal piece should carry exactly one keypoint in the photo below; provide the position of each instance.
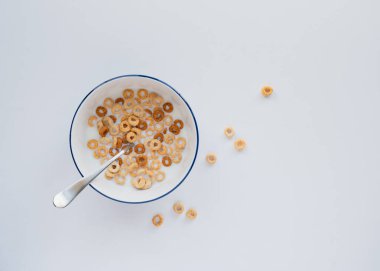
(178, 207)
(92, 144)
(91, 120)
(211, 158)
(157, 220)
(191, 214)
(229, 132)
(267, 91)
(240, 144)
(101, 111)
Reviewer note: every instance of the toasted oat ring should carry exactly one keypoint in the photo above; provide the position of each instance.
(159, 176)
(91, 120)
(124, 126)
(148, 111)
(129, 104)
(142, 125)
(176, 158)
(169, 138)
(117, 109)
(148, 183)
(267, 91)
(138, 110)
(127, 149)
(108, 102)
(104, 140)
(101, 111)
(119, 101)
(166, 161)
(92, 144)
(168, 120)
(102, 151)
(114, 167)
(168, 107)
(159, 136)
(139, 182)
(174, 129)
(180, 143)
(133, 120)
(159, 126)
(139, 148)
(131, 137)
(155, 144)
(178, 207)
(109, 175)
(163, 150)
(114, 130)
(113, 151)
(136, 130)
(158, 100)
(211, 158)
(119, 179)
(108, 121)
(158, 114)
(103, 131)
(155, 164)
(178, 123)
(191, 214)
(143, 93)
(142, 160)
(158, 220)
(229, 132)
(240, 144)
(128, 93)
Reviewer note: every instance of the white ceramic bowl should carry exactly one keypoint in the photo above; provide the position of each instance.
(80, 133)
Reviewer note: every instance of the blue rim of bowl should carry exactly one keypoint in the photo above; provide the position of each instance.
(196, 128)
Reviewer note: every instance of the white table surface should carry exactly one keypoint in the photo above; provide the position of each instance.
(303, 196)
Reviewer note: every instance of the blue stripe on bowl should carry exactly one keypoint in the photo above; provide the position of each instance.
(196, 128)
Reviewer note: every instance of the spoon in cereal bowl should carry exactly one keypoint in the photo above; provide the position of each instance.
(65, 197)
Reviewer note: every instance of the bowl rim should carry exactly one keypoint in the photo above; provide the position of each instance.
(196, 129)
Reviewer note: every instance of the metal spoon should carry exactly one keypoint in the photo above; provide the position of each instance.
(62, 199)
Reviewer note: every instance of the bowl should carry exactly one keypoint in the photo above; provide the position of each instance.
(83, 157)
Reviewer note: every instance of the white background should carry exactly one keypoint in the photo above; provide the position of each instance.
(304, 195)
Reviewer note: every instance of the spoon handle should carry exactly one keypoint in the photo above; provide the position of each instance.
(62, 199)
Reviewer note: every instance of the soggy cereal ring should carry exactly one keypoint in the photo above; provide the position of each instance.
(166, 161)
(211, 158)
(91, 120)
(158, 114)
(103, 131)
(180, 143)
(109, 175)
(139, 182)
(138, 110)
(229, 132)
(168, 107)
(114, 130)
(131, 137)
(142, 125)
(92, 144)
(141, 171)
(124, 126)
(155, 144)
(117, 109)
(159, 176)
(168, 120)
(133, 120)
(123, 171)
(142, 160)
(101, 111)
(158, 220)
(108, 102)
(178, 207)
(142, 93)
(155, 164)
(128, 93)
(120, 179)
(163, 150)
(158, 100)
(102, 151)
(266, 91)
(191, 214)
(169, 138)
(104, 140)
(178, 123)
(159, 127)
(129, 104)
(119, 101)
(139, 148)
(114, 167)
(113, 151)
(174, 129)
(240, 144)
(176, 158)
(147, 103)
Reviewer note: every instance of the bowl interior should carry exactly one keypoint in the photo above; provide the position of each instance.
(81, 133)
